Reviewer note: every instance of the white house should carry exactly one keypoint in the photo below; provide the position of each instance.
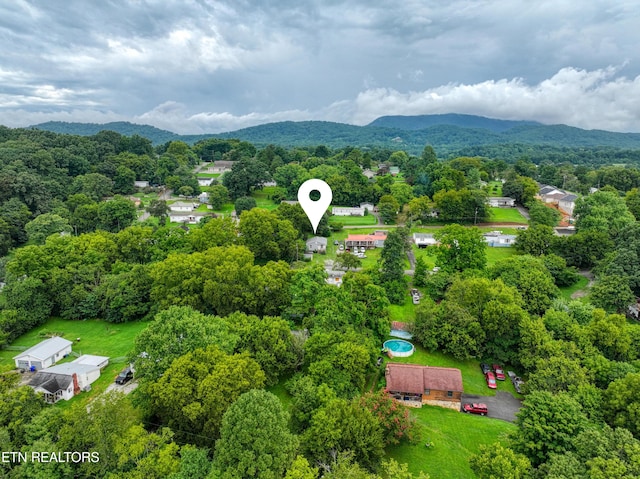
(498, 240)
(501, 201)
(422, 240)
(368, 173)
(567, 203)
(191, 218)
(205, 181)
(92, 360)
(63, 381)
(182, 206)
(141, 184)
(203, 197)
(347, 211)
(220, 166)
(44, 354)
(370, 207)
(317, 244)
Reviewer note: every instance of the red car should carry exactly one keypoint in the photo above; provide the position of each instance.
(475, 409)
(499, 372)
(491, 380)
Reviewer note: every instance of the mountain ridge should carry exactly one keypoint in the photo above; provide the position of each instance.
(445, 136)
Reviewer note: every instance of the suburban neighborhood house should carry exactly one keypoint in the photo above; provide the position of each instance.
(181, 206)
(422, 240)
(416, 385)
(566, 202)
(317, 244)
(192, 218)
(63, 381)
(44, 354)
(501, 201)
(498, 240)
(347, 211)
(375, 240)
(205, 181)
(220, 166)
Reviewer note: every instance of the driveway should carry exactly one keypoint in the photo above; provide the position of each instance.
(501, 406)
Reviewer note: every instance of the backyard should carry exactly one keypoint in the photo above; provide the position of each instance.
(506, 215)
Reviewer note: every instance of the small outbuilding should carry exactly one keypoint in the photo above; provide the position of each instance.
(44, 354)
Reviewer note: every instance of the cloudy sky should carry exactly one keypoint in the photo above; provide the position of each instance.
(197, 66)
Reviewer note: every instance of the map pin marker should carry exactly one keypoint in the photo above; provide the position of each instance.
(314, 209)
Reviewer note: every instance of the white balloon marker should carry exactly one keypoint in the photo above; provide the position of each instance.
(314, 209)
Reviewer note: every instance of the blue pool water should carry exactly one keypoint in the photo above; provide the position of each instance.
(399, 347)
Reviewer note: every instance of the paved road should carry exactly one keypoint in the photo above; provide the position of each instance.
(501, 406)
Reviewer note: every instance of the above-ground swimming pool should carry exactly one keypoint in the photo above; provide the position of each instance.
(399, 347)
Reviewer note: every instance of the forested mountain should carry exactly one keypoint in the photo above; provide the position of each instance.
(420, 122)
(456, 135)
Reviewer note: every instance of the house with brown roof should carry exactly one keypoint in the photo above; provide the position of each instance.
(416, 385)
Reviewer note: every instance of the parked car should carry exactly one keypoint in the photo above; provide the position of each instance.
(485, 368)
(475, 408)
(499, 372)
(491, 380)
(416, 299)
(517, 382)
(125, 376)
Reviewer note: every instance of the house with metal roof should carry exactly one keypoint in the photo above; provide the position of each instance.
(44, 354)
(496, 239)
(422, 240)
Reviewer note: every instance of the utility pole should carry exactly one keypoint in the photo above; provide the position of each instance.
(475, 217)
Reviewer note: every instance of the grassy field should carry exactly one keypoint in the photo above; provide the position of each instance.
(208, 175)
(354, 220)
(96, 337)
(494, 188)
(508, 215)
(455, 437)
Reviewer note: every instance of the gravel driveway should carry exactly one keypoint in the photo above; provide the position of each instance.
(501, 406)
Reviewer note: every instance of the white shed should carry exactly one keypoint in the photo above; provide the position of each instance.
(43, 354)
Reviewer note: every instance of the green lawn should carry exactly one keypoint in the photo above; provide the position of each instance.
(354, 220)
(405, 312)
(455, 438)
(96, 337)
(494, 188)
(567, 291)
(208, 175)
(508, 215)
(263, 197)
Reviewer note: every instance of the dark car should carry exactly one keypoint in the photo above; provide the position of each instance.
(491, 380)
(499, 372)
(125, 376)
(517, 382)
(475, 409)
(485, 368)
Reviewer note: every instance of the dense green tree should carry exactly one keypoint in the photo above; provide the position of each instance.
(460, 248)
(291, 176)
(254, 438)
(246, 175)
(531, 278)
(45, 225)
(461, 205)
(268, 236)
(343, 425)
(584, 249)
(612, 293)
(420, 273)
(268, 340)
(621, 403)
(632, 198)
(218, 196)
(535, 240)
(193, 394)
(301, 469)
(522, 188)
(116, 214)
(557, 374)
(94, 185)
(348, 261)
(397, 425)
(547, 424)
(244, 203)
(388, 207)
(391, 264)
(123, 181)
(498, 462)
(173, 333)
(216, 232)
(602, 211)
(541, 214)
(402, 192)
